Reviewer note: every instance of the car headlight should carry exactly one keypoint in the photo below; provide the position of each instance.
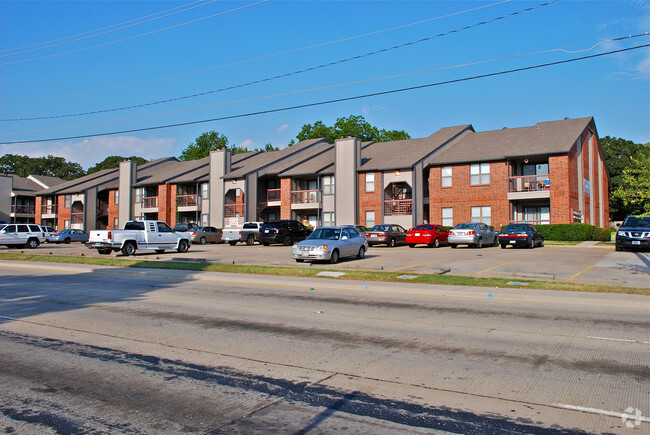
(321, 248)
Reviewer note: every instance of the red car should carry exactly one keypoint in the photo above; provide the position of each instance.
(430, 235)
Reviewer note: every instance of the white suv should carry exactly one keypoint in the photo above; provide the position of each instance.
(21, 235)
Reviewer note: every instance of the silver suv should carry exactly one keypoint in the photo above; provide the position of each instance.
(21, 235)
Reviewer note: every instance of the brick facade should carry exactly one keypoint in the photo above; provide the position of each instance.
(285, 198)
(113, 209)
(370, 201)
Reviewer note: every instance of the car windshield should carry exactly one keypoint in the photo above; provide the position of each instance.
(381, 228)
(272, 224)
(250, 226)
(514, 228)
(325, 234)
(195, 229)
(633, 221)
(424, 227)
(464, 227)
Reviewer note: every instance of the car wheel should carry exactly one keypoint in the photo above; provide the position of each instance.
(250, 240)
(128, 248)
(411, 245)
(287, 241)
(159, 251)
(104, 251)
(183, 246)
(335, 257)
(232, 243)
(362, 253)
(391, 243)
(531, 245)
(454, 246)
(203, 241)
(503, 246)
(67, 240)
(299, 260)
(541, 243)
(479, 244)
(495, 242)
(436, 243)
(32, 243)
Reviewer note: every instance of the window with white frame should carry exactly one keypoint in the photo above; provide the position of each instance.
(370, 219)
(448, 217)
(205, 190)
(370, 182)
(116, 223)
(138, 195)
(479, 174)
(328, 218)
(66, 224)
(205, 219)
(482, 214)
(68, 201)
(446, 177)
(117, 197)
(328, 185)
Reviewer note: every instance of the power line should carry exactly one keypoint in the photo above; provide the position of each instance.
(104, 30)
(134, 37)
(257, 58)
(337, 100)
(268, 79)
(321, 88)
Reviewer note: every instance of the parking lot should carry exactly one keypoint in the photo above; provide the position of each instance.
(586, 263)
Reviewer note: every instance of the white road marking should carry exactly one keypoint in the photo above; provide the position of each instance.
(618, 339)
(603, 412)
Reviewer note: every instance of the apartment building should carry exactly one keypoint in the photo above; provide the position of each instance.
(18, 196)
(552, 172)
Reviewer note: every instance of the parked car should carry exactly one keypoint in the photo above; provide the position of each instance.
(67, 236)
(428, 234)
(386, 234)
(283, 231)
(634, 233)
(474, 234)
(152, 235)
(21, 235)
(182, 227)
(204, 235)
(47, 231)
(248, 233)
(331, 244)
(521, 235)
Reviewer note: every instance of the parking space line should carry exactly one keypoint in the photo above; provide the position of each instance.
(416, 265)
(485, 270)
(581, 272)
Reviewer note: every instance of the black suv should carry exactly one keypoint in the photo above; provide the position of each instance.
(634, 233)
(283, 231)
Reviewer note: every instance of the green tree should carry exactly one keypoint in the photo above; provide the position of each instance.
(206, 142)
(617, 154)
(114, 162)
(267, 148)
(50, 166)
(634, 190)
(354, 126)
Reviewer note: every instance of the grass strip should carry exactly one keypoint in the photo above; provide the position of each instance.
(306, 272)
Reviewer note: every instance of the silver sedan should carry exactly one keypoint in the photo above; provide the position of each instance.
(472, 234)
(331, 244)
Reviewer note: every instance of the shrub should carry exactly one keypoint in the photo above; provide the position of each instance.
(574, 232)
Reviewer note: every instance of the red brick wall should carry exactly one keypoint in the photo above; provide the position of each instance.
(462, 196)
(285, 198)
(370, 201)
(63, 213)
(562, 173)
(37, 210)
(167, 203)
(113, 209)
(586, 175)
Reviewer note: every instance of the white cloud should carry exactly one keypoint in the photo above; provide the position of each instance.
(283, 127)
(91, 151)
(248, 144)
(367, 109)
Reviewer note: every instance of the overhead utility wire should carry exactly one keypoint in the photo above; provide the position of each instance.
(338, 100)
(268, 79)
(258, 58)
(480, 62)
(105, 30)
(134, 37)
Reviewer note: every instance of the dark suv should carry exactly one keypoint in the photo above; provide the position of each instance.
(283, 231)
(634, 233)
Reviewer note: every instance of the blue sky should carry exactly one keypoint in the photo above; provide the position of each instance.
(62, 60)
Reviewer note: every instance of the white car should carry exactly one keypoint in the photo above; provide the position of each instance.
(21, 235)
(474, 234)
(331, 244)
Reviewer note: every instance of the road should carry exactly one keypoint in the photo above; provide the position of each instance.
(89, 349)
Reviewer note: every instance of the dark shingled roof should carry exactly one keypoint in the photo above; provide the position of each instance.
(553, 137)
(24, 186)
(175, 172)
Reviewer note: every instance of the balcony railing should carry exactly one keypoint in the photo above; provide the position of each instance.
(532, 221)
(529, 183)
(188, 200)
(306, 196)
(22, 209)
(398, 207)
(150, 202)
(77, 218)
(48, 209)
(272, 195)
(234, 210)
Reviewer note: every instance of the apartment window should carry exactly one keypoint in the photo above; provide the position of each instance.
(328, 185)
(117, 197)
(66, 224)
(482, 214)
(138, 195)
(205, 218)
(205, 190)
(370, 219)
(68, 201)
(479, 173)
(370, 182)
(448, 217)
(116, 223)
(446, 176)
(328, 218)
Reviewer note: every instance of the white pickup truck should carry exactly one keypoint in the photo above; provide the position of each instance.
(155, 235)
(249, 233)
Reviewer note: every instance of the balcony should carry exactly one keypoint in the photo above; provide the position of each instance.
(529, 187)
(48, 210)
(77, 218)
(22, 209)
(234, 210)
(398, 207)
(188, 202)
(149, 202)
(304, 199)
